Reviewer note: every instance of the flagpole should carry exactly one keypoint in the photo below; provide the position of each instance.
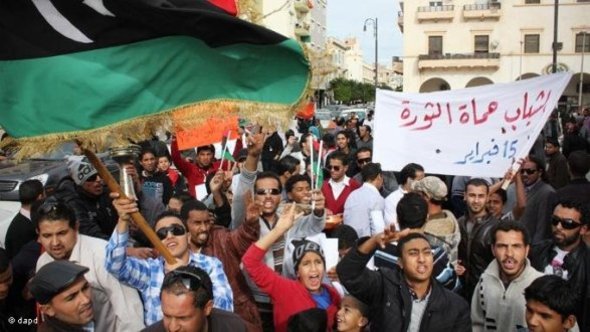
(136, 216)
(318, 167)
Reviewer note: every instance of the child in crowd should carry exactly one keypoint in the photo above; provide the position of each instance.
(353, 315)
(178, 183)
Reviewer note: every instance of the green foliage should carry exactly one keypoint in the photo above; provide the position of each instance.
(349, 91)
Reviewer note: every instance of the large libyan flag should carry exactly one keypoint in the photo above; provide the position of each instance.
(98, 69)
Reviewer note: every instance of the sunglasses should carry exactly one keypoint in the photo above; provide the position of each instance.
(273, 192)
(92, 178)
(363, 161)
(528, 171)
(189, 280)
(176, 229)
(566, 223)
(49, 206)
(332, 167)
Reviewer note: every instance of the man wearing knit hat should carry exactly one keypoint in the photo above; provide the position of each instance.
(441, 227)
(65, 297)
(87, 197)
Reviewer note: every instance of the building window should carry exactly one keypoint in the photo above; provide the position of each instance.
(582, 39)
(531, 43)
(482, 44)
(435, 4)
(532, 1)
(435, 45)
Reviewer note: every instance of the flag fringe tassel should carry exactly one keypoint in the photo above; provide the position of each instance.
(137, 129)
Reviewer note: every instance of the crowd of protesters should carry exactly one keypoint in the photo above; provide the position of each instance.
(418, 251)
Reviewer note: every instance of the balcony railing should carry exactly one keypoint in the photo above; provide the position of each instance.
(436, 13)
(445, 8)
(458, 56)
(459, 60)
(490, 10)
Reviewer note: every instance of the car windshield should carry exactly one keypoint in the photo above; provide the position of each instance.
(323, 115)
(60, 153)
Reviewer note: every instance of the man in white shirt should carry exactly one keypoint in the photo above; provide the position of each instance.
(410, 173)
(337, 189)
(363, 209)
(116, 307)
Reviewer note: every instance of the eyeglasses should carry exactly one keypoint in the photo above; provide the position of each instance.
(270, 191)
(528, 171)
(176, 229)
(333, 167)
(363, 161)
(566, 223)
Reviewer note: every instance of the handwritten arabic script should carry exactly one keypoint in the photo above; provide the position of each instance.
(471, 112)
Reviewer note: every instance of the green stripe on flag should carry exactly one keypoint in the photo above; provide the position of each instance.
(228, 156)
(93, 89)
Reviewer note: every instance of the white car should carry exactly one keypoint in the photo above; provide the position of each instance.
(360, 113)
(8, 210)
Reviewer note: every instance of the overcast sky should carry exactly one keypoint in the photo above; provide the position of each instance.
(346, 18)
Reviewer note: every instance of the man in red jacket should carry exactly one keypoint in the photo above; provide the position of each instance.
(195, 173)
(339, 186)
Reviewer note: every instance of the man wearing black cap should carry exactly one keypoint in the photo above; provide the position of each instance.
(557, 172)
(65, 297)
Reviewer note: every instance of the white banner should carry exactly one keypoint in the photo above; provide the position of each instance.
(473, 132)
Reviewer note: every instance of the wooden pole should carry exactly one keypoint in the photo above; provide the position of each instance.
(136, 216)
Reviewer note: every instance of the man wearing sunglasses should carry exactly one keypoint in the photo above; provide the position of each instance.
(187, 305)
(339, 186)
(146, 275)
(267, 188)
(566, 255)
(364, 156)
(537, 199)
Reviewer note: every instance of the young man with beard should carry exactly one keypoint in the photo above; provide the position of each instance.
(405, 298)
(146, 275)
(476, 239)
(153, 182)
(267, 194)
(566, 255)
(229, 246)
(497, 303)
(557, 173)
(117, 306)
(65, 298)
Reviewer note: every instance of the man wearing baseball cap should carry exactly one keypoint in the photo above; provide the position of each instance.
(441, 228)
(65, 297)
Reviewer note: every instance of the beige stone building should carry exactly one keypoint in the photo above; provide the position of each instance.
(452, 44)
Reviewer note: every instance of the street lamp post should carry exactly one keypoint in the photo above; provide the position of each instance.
(375, 24)
(555, 16)
(582, 70)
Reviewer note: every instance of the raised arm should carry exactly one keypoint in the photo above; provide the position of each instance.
(246, 179)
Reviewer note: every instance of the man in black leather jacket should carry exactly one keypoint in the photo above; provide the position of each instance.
(566, 255)
(404, 298)
(475, 248)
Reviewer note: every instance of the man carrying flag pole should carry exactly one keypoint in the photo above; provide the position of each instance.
(103, 72)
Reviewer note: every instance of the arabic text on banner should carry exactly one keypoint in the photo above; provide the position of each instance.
(474, 132)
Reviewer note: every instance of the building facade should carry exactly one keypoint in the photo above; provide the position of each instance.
(452, 44)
